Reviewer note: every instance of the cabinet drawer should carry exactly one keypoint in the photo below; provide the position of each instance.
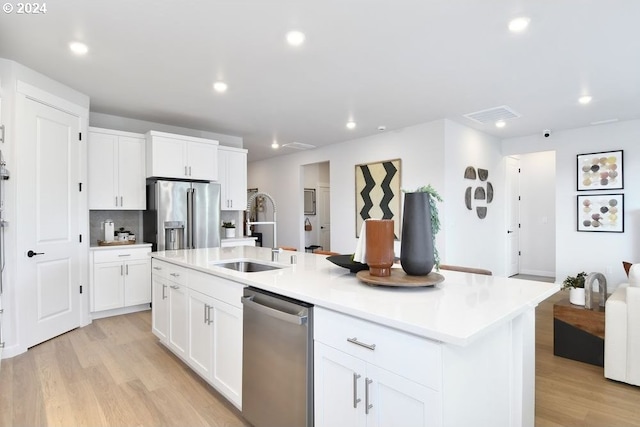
(121, 254)
(215, 287)
(169, 271)
(407, 355)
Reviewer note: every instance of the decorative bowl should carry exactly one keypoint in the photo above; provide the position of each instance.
(345, 261)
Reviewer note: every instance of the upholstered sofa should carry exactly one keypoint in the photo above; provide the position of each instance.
(622, 331)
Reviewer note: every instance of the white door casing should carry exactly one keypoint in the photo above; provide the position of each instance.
(324, 217)
(48, 175)
(513, 216)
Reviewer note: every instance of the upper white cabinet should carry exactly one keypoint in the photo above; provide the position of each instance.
(116, 170)
(232, 174)
(182, 157)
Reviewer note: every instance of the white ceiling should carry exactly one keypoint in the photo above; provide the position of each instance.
(393, 63)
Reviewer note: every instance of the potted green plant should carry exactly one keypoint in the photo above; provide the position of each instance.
(576, 288)
(229, 229)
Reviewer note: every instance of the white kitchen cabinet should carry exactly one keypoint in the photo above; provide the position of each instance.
(232, 175)
(178, 319)
(357, 384)
(226, 372)
(199, 317)
(120, 278)
(200, 333)
(160, 304)
(116, 164)
(181, 157)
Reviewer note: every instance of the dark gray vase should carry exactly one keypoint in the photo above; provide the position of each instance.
(416, 249)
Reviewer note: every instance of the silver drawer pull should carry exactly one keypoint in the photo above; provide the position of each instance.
(174, 274)
(124, 255)
(174, 287)
(157, 268)
(354, 340)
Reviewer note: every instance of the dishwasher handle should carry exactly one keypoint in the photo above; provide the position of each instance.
(272, 312)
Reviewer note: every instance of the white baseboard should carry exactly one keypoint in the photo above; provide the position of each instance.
(539, 273)
(118, 311)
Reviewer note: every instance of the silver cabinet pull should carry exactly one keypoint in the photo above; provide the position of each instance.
(174, 287)
(174, 274)
(164, 287)
(209, 320)
(157, 268)
(126, 269)
(367, 405)
(121, 201)
(354, 340)
(122, 270)
(356, 400)
(206, 314)
(185, 171)
(189, 170)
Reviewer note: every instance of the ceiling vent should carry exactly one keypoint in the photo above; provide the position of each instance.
(299, 146)
(492, 115)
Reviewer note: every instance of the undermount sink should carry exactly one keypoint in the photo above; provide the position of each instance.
(247, 266)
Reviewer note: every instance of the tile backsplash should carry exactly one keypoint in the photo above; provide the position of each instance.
(130, 220)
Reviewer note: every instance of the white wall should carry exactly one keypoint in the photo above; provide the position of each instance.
(591, 251)
(420, 148)
(471, 241)
(435, 153)
(141, 126)
(538, 213)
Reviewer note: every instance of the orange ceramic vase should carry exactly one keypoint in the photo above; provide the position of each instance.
(379, 246)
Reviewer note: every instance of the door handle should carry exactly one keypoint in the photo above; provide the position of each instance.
(31, 254)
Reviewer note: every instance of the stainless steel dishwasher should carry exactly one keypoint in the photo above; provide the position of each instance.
(277, 360)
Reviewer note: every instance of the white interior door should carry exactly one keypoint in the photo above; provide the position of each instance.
(324, 217)
(513, 216)
(48, 200)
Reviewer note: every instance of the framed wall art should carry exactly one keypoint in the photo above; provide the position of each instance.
(378, 193)
(600, 171)
(601, 213)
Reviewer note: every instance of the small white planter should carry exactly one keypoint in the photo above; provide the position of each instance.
(231, 232)
(576, 296)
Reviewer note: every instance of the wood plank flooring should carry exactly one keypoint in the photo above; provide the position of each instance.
(115, 373)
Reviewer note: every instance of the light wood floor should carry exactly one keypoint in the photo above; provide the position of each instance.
(114, 373)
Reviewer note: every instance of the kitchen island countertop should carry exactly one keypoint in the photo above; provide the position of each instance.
(457, 311)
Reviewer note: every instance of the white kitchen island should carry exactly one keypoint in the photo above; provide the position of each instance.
(461, 353)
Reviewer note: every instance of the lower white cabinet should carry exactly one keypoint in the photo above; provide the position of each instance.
(355, 386)
(199, 317)
(120, 278)
(160, 306)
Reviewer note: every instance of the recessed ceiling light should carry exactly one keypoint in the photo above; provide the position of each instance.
(275, 145)
(220, 87)
(295, 38)
(351, 124)
(519, 24)
(501, 124)
(584, 99)
(78, 48)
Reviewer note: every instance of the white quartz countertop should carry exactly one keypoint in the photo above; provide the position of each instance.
(456, 311)
(112, 247)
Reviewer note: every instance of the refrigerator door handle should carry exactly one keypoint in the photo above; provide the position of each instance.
(190, 219)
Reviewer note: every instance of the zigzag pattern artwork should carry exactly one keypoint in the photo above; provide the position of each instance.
(378, 193)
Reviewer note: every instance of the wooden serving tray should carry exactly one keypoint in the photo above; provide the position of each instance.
(116, 242)
(400, 278)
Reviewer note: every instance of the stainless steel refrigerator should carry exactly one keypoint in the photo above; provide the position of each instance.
(182, 215)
